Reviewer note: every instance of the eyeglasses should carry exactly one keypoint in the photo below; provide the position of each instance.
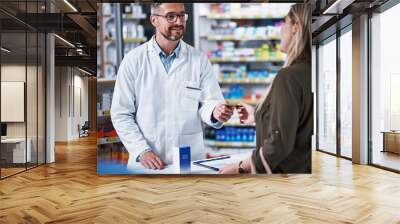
(172, 17)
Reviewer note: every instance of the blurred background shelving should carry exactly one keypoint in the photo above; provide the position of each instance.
(242, 43)
(121, 28)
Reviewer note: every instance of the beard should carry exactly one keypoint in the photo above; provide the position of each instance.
(174, 33)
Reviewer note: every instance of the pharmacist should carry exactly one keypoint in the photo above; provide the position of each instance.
(164, 90)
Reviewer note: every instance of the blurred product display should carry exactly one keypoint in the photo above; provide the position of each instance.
(114, 40)
(242, 42)
(249, 10)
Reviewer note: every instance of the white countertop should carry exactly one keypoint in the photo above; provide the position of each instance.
(137, 168)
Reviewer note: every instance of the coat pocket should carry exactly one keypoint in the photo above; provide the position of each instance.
(191, 98)
(190, 119)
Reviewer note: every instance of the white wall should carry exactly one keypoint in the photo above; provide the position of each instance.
(79, 117)
(14, 72)
(61, 103)
(33, 126)
(17, 73)
(69, 85)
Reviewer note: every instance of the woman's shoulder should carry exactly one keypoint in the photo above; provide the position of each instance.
(297, 71)
(296, 68)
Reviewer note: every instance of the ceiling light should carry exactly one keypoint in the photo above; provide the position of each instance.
(70, 5)
(65, 41)
(338, 6)
(79, 51)
(5, 50)
(84, 71)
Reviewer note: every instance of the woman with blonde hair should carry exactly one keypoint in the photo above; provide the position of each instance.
(284, 119)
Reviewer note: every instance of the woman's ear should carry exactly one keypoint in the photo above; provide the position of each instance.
(295, 27)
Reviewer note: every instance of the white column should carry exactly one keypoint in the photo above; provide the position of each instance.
(360, 90)
(50, 101)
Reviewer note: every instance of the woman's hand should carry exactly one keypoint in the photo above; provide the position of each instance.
(230, 169)
(234, 167)
(246, 113)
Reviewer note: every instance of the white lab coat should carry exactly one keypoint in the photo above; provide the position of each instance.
(155, 110)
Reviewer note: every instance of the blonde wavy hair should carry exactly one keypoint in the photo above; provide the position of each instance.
(300, 46)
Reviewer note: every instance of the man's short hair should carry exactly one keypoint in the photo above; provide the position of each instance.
(154, 7)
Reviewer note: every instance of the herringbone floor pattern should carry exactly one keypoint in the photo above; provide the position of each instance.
(70, 191)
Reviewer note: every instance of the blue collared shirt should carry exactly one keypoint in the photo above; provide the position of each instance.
(167, 60)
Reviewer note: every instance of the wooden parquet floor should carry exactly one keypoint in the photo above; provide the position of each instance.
(70, 191)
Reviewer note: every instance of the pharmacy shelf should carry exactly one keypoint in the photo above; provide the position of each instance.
(242, 38)
(222, 37)
(240, 16)
(235, 124)
(112, 40)
(243, 59)
(105, 81)
(129, 40)
(114, 46)
(262, 81)
(237, 101)
(103, 113)
(250, 81)
(130, 16)
(108, 140)
(127, 16)
(213, 143)
(135, 40)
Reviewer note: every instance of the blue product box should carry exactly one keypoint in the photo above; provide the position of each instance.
(184, 159)
(181, 159)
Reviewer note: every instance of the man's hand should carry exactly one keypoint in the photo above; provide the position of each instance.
(222, 112)
(151, 160)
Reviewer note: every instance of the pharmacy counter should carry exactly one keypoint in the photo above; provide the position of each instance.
(108, 167)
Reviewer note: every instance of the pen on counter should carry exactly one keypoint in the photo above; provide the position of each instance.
(209, 167)
(213, 159)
